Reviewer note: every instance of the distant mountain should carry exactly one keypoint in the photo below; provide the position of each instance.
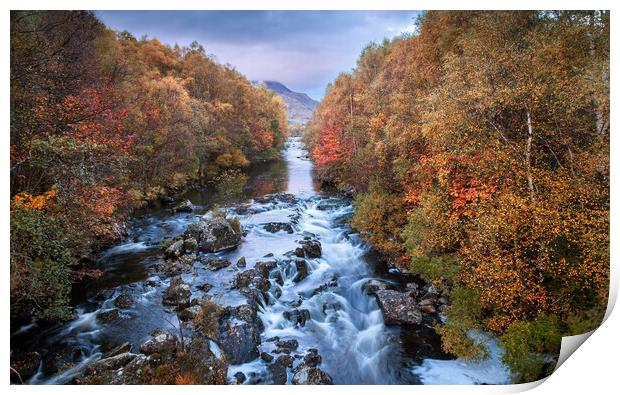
(300, 106)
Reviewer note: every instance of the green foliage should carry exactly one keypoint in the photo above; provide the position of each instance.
(41, 259)
(435, 269)
(462, 318)
(530, 347)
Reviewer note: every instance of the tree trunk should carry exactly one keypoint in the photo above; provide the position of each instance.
(528, 157)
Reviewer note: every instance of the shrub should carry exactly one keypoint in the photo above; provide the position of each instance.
(531, 347)
(41, 262)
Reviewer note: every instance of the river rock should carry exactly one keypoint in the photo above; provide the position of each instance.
(312, 358)
(152, 281)
(217, 264)
(164, 342)
(251, 278)
(264, 267)
(241, 263)
(266, 357)
(372, 286)
(239, 341)
(111, 363)
(190, 245)
(428, 309)
(123, 301)
(312, 248)
(302, 270)
(108, 315)
(121, 349)
(215, 234)
(206, 287)
(297, 316)
(311, 376)
(278, 278)
(190, 313)
(275, 227)
(177, 294)
(185, 206)
(398, 308)
(285, 360)
(286, 346)
(175, 250)
(240, 377)
(247, 313)
(286, 197)
(278, 373)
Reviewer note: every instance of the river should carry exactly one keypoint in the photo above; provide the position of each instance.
(345, 325)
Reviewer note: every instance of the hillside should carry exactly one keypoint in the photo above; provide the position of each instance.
(300, 106)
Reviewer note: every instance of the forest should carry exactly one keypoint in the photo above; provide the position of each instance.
(103, 123)
(477, 150)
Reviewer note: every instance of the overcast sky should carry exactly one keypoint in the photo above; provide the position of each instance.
(305, 50)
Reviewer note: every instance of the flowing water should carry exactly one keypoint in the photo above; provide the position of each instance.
(345, 325)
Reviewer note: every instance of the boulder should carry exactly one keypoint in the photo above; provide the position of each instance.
(111, 363)
(206, 287)
(121, 349)
(302, 270)
(311, 248)
(175, 250)
(297, 316)
(177, 294)
(217, 264)
(275, 227)
(185, 206)
(266, 357)
(239, 341)
(108, 315)
(251, 278)
(190, 313)
(247, 313)
(240, 377)
(190, 245)
(123, 301)
(215, 234)
(264, 267)
(285, 360)
(152, 281)
(286, 346)
(398, 308)
(312, 358)
(372, 286)
(241, 263)
(278, 373)
(311, 376)
(161, 343)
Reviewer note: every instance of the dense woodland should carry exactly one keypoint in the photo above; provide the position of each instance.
(102, 123)
(478, 153)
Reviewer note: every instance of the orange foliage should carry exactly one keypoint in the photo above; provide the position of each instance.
(26, 201)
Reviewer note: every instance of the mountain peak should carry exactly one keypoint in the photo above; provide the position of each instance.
(299, 105)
